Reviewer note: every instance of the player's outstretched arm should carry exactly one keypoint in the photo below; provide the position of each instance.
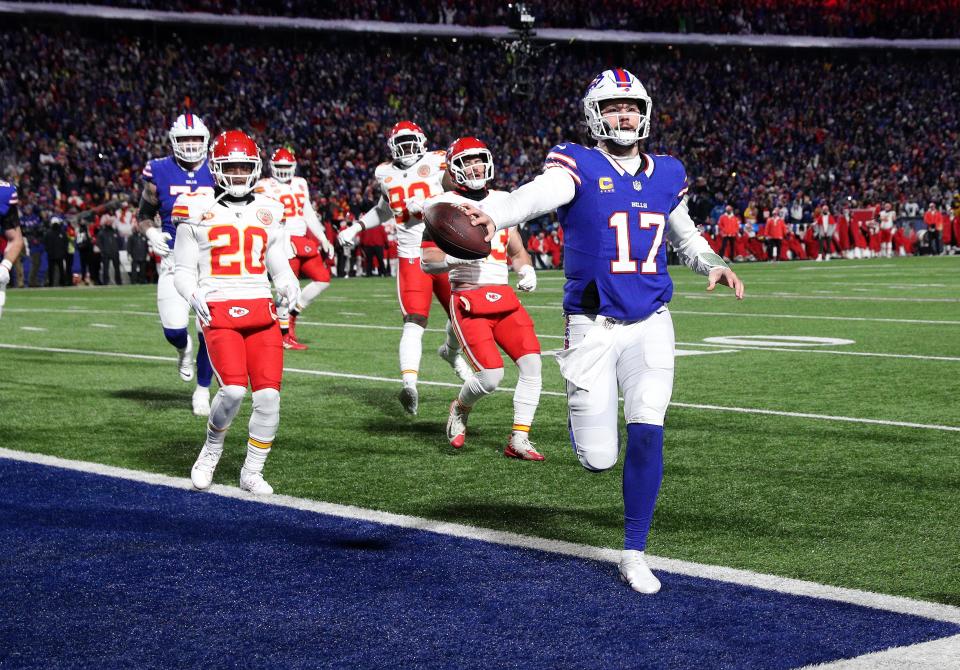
(727, 277)
(546, 193)
(696, 252)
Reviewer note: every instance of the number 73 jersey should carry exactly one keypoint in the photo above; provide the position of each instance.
(615, 256)
(235, 244)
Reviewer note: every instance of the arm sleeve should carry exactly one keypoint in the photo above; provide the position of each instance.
(694, 250)
(377, 215)
(186, 256)
(313, 221)
(276, 260)
(553, 188)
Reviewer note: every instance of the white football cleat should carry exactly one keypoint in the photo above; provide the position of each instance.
(457, 425)
(201, 401)
(410, 399)
(254, 482)
(520, 446)
(635, 573)
(185, 361)
(202, 472)
(456, 361)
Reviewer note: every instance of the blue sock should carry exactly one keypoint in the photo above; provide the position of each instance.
(176, 336)
(642, 474)
(204, 368)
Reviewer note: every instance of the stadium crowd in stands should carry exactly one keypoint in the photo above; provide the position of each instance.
(832, 18)
(755, 129)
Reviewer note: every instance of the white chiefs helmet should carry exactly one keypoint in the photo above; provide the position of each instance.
(615, 84)
(407, 143)
(189, 138)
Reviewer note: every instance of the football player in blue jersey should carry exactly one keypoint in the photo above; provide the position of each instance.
(163, 180)
(10, 225)
(617, 206)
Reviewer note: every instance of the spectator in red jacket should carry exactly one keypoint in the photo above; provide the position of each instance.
(934, 222)
(728, 225)
(774, 230)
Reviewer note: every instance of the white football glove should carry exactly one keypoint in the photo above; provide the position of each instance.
(348, 236)
(528, 278)
(5, 266)
(158, 241)
(288, 292)
(199, 303)
(415, 207)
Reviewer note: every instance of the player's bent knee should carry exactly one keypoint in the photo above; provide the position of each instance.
(232, 395)
(418, 319)
(530, 365)
(266, 413)
(597, 448)
(489, 379)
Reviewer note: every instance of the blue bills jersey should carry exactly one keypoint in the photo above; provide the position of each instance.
(8, 201)
(171, 180)
(614, 229)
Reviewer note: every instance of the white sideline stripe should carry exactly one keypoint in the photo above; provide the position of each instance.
(41, 310)
(898, 604)
(814, 317)
(798, 296)
(935, 655)
(390, 380)
(739, 347)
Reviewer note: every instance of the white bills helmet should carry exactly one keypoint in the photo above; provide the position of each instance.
(189, 138)
(616, 84)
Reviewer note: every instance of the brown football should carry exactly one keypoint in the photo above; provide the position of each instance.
(451, 228)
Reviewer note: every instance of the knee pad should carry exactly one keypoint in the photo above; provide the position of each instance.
(530, 366)
(597, 447)
(225, 405)
(266, 414)
(488, 380)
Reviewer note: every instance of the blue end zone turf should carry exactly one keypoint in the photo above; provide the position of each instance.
(98, 571)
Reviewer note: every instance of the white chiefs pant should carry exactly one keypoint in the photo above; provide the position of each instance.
(174, 310)
(602, 354)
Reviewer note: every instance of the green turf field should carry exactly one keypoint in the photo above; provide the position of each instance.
(871, 506)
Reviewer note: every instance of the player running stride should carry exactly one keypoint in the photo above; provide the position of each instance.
(484, 310)
(617, 205)
(164, 180)
(413, 173)
(227, 243)
(304, 252)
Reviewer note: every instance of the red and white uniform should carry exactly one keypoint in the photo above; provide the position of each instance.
(887, 219)
(397, 185)
(299, 219)
(226, 250)
(484, 309)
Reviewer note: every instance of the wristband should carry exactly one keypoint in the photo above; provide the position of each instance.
(7, 264)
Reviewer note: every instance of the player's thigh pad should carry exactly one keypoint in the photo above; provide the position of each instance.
(228, 355)
(645, 367)
(315, 268)
(264, 353)
(476, 337)
(174, 310)
(516, 335)
(593, 414)
(414, 288)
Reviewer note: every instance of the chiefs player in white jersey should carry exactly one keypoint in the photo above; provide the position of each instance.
(413, 173)
(887, 218)
(226, 244)
(484, 309)
(304, 252)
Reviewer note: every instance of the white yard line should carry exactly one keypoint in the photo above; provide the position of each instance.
(394, 381)
(798, 296)
(786, 585)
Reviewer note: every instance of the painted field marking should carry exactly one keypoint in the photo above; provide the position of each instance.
(899, 604)
(394, 381)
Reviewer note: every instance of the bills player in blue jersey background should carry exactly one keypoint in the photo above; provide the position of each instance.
(617, 206)
(10, 225)
(163, 180)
